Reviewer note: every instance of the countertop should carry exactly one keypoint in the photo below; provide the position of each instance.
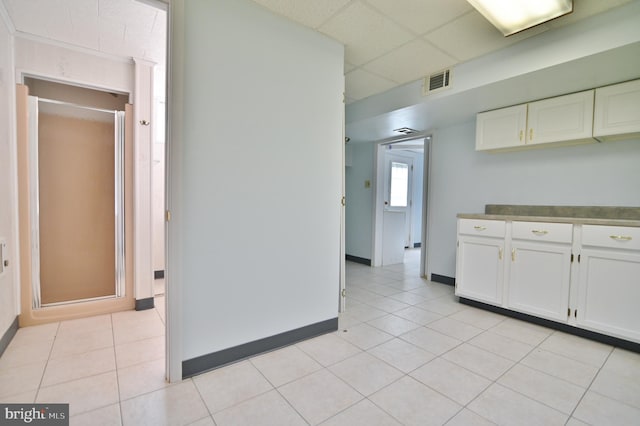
(572, 220)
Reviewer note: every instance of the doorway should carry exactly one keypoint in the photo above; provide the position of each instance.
(400, 201)
(74, 163)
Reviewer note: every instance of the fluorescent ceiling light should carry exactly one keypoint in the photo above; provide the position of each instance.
(512, 16)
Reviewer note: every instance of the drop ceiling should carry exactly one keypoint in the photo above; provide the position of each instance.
(123, 28)
(392, 42)
(388, 43)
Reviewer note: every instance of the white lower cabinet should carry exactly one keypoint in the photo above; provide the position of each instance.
(480, 271)
(540, 270)
(480, 275)
(609, 281)
(539, 279)
(535, 274)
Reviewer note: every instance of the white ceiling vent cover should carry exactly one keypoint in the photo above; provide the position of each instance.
(438, 81)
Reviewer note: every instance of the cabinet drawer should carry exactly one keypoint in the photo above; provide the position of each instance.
(482, 227)
(620, 237)
(542, 231)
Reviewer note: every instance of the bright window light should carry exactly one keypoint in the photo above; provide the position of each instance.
(399, 192)
(512, 16)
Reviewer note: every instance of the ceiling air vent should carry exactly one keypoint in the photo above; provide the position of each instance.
(406, 130)
(438, 81)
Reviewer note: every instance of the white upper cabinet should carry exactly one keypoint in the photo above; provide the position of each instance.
(501, 128)
(563, 120)
(566, 118)
(617, 111)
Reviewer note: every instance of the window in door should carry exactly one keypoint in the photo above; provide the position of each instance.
(399, 190)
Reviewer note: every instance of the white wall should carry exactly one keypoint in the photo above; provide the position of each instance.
(8, 280)
(463, 181)
(359, 209)
(255, 177)
(78, 66)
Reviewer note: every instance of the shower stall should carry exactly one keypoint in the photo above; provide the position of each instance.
(74, 173)
(77, 206)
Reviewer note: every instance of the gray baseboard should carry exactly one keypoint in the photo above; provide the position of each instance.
(357, 259)
(144, 304)
(8, 335)
(207, 362)
(443, 279)
(576, 331)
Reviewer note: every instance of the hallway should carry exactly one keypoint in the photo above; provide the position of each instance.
(406, 353)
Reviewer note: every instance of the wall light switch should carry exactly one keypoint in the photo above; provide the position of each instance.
(367, 183)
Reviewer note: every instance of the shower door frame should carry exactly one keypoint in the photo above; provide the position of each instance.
(34, 194)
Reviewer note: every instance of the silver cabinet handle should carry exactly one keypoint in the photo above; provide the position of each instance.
(500, 253)
(621, 237)
(479, 228)
(539, 231)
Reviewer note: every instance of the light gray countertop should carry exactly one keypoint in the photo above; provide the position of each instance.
(572, 220)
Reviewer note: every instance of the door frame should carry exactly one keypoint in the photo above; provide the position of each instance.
(34, 194)
(378, 199)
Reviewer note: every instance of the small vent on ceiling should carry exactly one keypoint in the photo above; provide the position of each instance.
(438, 81)
(406, 130)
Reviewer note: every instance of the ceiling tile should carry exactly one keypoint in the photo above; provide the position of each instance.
(410, 62)
(83, 8)
(84, 33)
(127, 12)
(360, 84)
(365, 32)
(311, 13)
(27, 16)
(421, 16)
(472, 35)
(584, 8)
(348, 67)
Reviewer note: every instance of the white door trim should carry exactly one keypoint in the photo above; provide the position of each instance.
(173, 179)
(378, 201)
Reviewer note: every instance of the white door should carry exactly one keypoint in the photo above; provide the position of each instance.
(397, 190)
(539, 279)
(608, 292)
(480, 269)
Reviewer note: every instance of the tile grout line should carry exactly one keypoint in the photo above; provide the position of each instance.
(495, 382)
(115, 358)
(587, 389)
(195, 385)
(46, 365)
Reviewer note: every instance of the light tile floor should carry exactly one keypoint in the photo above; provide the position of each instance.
(406, 353)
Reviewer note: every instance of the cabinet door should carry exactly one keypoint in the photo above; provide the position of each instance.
(539, 279)
(561, 119)
(617, 111)
(501, 128)
(479, 269)
(609, 292)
